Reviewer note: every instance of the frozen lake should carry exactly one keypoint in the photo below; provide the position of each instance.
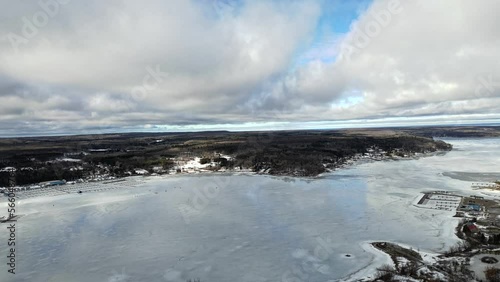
(245, 228)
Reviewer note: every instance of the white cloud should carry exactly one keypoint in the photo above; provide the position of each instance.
(236, 64)
(430, 59)
(212, 63)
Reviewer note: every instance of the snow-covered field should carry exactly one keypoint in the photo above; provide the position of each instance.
(239, 227)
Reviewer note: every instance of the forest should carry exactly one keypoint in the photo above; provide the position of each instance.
(295, 153)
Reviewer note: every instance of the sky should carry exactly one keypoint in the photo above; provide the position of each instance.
(74, 67)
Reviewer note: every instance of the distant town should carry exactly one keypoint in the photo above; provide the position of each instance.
(470, 259)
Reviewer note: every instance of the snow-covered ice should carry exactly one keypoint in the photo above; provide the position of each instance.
(237, 227)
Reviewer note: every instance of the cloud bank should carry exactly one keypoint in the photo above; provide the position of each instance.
(74, 67)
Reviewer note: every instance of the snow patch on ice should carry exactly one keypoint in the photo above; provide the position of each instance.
(368, 272)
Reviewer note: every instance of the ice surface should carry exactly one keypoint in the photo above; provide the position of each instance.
(237, 227)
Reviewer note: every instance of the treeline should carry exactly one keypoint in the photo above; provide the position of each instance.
(292, 153)
(300, 153)
(36, 175)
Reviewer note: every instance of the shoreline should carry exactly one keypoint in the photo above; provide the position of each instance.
(347, 164)
(367, 272)
(381, 258)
